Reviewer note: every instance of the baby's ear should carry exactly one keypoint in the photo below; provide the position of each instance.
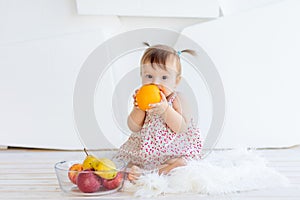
(178, 79)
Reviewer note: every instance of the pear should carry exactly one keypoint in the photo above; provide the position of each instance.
(105, 168)
(88, 161)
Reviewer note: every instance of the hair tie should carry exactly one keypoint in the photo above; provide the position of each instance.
(178, 53)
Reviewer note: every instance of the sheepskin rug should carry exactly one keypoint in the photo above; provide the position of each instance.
(219, 173)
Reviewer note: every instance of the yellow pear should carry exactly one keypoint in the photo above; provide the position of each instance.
(88, 162)
(105, 168)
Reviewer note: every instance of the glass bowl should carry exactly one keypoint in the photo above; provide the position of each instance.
(81, 182)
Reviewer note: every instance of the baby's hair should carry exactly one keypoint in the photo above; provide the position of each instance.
(158, 54)
(146, 44)
(189, 51)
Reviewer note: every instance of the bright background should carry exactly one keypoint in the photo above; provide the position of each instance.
(254, 44)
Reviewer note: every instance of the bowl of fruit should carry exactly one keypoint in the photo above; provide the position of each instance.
(91, 177)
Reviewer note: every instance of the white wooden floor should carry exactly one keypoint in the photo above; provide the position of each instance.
(29, 174)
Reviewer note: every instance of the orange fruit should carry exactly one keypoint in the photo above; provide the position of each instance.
(146, 95)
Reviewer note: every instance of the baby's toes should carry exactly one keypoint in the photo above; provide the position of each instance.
(134, 173)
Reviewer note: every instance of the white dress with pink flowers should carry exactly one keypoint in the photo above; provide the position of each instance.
(156, 143)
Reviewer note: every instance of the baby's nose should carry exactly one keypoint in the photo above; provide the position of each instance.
(156, 81)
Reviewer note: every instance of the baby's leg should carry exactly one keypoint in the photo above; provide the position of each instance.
(134, 172)
(171, 164)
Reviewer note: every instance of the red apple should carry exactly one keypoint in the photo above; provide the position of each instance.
(73, 172)
(88, 181)
(113, 183)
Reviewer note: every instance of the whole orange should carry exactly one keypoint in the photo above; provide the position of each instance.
(146, 95)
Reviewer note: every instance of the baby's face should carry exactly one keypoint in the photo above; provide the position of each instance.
(168, 79)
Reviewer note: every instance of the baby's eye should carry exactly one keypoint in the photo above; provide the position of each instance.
(148, 76)
(164, 77)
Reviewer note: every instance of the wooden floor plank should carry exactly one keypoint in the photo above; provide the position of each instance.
(30, 174)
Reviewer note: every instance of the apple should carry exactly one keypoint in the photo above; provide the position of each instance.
(73, 172)
(88, 181)
(113, 183)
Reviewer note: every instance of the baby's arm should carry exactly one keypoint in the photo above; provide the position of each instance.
(137, 116)
(136, 119)
(178, 116)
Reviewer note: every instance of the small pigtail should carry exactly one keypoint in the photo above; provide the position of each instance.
(189, 51)
(146, 44)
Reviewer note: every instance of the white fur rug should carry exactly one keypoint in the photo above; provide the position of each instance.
(221, 172)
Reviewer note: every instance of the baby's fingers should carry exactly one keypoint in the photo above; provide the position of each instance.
(163, 97)
(134, 95)
(154, 105)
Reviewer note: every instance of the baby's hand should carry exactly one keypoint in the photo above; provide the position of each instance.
(134, 99)
(161, 107)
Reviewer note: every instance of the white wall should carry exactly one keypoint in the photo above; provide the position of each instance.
(42, 47)
(154, 8)
(257, 56)
(44, 43)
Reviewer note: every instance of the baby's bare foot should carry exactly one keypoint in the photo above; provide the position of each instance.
(134, 173)
(170, 165)
(165, 169)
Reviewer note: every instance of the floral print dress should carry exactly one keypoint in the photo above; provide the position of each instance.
(156, 143)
